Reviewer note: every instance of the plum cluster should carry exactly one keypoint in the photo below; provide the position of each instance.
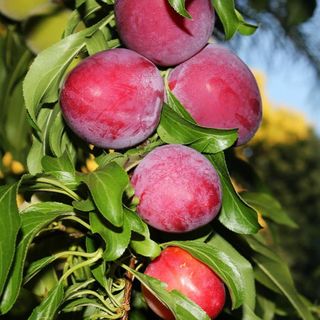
(113, 99)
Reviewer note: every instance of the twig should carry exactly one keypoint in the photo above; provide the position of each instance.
(128, 289)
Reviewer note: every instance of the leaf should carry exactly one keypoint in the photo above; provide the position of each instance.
(34, 157)
(116, 238)
(17, 129)
(274, 273)
(141, 242)
(280, 275)
(173, 128)
(98, 270)
(267, 308)
(234, 270)
(42, 81)
(231, 19)
(62, 169)
(97, 42)
(9, 227)
(75, 305)
(36, 266)
(248, 314)
(182, 307)
(33, 219)
(106, 187)
(105, 158)
(62, 163)
(58, 137)
(179, 6)
(269, 207)
(84, 205)
(48, 309)
(236, 215)
(176, 105)
(245, 28)
(225, 9)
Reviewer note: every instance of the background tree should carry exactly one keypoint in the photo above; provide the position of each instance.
(285, 154)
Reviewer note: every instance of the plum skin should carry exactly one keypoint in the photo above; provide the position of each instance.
(155, 30)
(181, 271)
(178, 189)
(219, 91)
(113, 98)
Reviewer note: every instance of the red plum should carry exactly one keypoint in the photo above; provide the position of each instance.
(178, 188)
(113, 99)
(181, 271)
(219, 91)
(154, 29)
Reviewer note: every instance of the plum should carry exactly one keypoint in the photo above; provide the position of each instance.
(113, 99)
(155, 30)
(219, 91)
(178, 188)
(181, 271)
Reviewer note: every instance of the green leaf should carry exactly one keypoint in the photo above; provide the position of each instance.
(58, 137)
(42, 81)
(182, 307)
(116, 238)
(176, 105)
(33, 219)
(280, 275)
(63, 163)
(17, 129)
(98, 42)
(40, 143)
(9, 227)
(236, 214)
(99, 270)
(106, 187)
(141, 242)
(269, 207)
(36, 266)
(48, 309)
(173, 128)
(274, 273)
(231, 19)
(248, 313)
(34, 157)
(234, 270)
(179, 6)
(105, 158)
(266, 308)
(245, 28)
(62, 169)
(225, 9)
(84, 205)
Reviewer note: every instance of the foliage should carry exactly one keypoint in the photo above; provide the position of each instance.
(71, 246)
(292, 172)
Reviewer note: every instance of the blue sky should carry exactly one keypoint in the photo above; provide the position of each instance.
(290, 79)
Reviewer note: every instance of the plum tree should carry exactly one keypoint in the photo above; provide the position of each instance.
(113, 99)
(219, 91)
(181, 271)
(178, 188)
(172, 38)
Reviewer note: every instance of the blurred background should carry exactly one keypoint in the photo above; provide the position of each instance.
(285, 56)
